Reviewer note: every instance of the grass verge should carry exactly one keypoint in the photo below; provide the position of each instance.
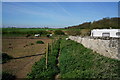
(39, 70)
(76, 61)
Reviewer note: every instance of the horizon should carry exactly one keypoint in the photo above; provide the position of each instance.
(55, 14)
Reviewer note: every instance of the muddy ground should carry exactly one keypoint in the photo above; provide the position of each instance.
(25, 52)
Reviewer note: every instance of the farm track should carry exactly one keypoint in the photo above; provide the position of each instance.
(27, 67)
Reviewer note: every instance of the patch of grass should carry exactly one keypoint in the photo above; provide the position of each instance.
(40, 42)
(6, 57)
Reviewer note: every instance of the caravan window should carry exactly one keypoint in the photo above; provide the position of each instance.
(106, 34)
(118, 33)
(92, 34)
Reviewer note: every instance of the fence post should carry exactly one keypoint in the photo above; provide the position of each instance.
(51, 46)
(47, 54)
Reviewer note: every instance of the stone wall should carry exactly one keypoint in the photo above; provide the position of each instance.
(108, 48)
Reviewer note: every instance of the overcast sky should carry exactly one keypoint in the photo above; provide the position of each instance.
(55, 14)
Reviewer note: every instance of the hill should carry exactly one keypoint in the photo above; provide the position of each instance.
(104, 23)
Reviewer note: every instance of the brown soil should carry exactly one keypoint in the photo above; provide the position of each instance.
(25, 53)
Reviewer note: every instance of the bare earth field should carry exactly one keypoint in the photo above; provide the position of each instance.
(25, 52)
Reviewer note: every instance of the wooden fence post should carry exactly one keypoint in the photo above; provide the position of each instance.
(51, 46)
(47, 54)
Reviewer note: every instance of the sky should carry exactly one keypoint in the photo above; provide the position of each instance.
(55, 14)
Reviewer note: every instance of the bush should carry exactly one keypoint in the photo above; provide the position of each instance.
(5, 57)
(32, 44)
(7, 76)
(85, 32)
(40, 42)
(59, 32)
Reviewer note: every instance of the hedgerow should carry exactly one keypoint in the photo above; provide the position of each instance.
(39, 70)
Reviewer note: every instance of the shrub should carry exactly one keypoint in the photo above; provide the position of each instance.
(85, 32)
(40, 42)
(7, 76)
(59, 32)
(5, 57)
(32, 44)
(74, 32)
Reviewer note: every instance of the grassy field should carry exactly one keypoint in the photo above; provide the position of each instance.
(76, 62)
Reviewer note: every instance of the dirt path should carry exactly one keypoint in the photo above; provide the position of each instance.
(57, 76)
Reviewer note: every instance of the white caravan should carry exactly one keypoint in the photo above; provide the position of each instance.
(101, 33)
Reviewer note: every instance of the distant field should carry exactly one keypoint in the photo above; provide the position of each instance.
(32, 29)
(23, 31)
(28, 29)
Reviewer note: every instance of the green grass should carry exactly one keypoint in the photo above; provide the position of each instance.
(76, 61)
